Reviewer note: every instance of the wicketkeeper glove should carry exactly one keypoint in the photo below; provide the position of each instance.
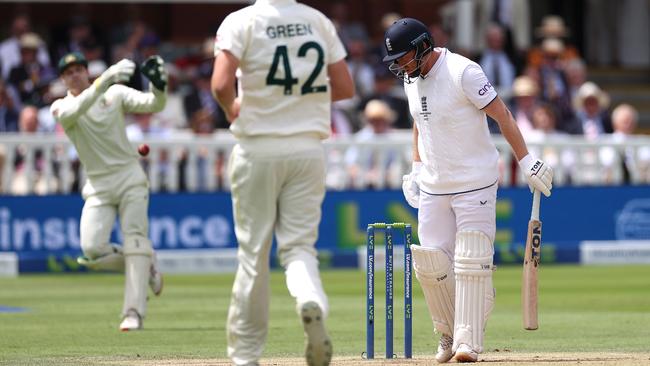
(538, 174)
(154, 69)
(411, 185)
(118, 73)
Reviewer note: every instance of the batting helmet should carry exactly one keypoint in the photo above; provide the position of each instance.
(405, 35)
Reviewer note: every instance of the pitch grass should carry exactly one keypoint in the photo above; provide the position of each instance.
(75, 316)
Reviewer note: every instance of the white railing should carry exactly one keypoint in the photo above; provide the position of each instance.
(47, 163)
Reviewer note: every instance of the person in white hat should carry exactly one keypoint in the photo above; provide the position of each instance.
(365, 165)
(525, 93)
(591, 105)
(552, 27)
(29, 76)
(553, 81)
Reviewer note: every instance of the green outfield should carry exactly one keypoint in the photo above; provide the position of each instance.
(73, 319)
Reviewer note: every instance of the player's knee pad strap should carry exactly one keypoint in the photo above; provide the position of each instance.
(137, 245)
(474, 291)
(434, 271)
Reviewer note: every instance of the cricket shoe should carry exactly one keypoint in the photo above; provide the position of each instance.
(155, 278)
(465, 353)
(318, 348)
(132, 321)
(444, 349)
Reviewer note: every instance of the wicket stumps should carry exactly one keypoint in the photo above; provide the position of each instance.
(370, 289)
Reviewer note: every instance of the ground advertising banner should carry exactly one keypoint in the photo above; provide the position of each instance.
(43, 231)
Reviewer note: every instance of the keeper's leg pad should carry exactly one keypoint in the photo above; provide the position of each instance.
(434, 271)
(111, 261)
(137, 260)
(474, 291)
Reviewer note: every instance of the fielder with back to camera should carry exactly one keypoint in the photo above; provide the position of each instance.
(454, 182)
(292, 66)
(92, 116)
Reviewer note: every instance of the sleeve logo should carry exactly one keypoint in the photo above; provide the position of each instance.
(485, 89)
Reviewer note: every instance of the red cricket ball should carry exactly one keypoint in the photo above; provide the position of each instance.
(143, 149)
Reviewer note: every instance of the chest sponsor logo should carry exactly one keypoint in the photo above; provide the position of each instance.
(485, 89)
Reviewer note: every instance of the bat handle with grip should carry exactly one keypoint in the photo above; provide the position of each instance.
(534, 213)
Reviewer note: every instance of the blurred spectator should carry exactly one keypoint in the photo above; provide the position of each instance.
(498, 67)
(552, 27)
(29, 77)
(126, 39)
(367, 168)
(513, 16)
(55, 90)
(545, 121)
(28, 120)
(347, 30)
(591, 105)
(8, 112)
(360, 69)
(140, 128)
(10, 48)
(625, 119)
(388, 91)
(79, 32)
(201, 123)
(622, 166)
(553, 81)
(576, 73)
(473, 18)
(29, 162)
(364, 81)
(94, 53)
(201, 99)
(526, 93)
(440, 35)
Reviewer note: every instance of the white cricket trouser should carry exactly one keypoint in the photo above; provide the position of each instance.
(441, 217)
(124, 193)
(278, 185)
(472, 215)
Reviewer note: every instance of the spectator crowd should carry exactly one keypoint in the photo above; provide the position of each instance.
(547, 87)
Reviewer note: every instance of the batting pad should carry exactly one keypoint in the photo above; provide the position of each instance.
(474, 292)
(112, 261)
(436, 276)
(137, 261)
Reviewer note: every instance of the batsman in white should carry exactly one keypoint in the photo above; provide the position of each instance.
(92, 116)
(292, 67)
(454, 182)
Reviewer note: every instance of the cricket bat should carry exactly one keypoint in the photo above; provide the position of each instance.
(531, 263)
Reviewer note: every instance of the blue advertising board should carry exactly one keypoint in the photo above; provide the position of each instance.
(44, 230)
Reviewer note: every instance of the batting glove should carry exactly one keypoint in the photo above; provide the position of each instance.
(538, 174)
(121, 72)
(411, 185)
(154, 69)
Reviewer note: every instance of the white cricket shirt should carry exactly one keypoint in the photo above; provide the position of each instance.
(284, 48)
(98, 133)
(454, 142)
